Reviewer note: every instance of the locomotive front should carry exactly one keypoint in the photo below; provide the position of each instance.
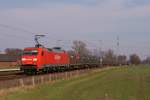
(29, 59)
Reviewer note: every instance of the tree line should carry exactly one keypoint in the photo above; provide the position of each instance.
(81, 52)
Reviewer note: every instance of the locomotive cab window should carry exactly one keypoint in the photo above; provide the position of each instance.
(30, 52)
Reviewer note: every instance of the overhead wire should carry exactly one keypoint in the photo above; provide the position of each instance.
(12, 35)
(8, 35)
(12, 38)
(15, 28)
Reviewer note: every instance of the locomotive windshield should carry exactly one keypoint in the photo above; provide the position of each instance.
(30, 52)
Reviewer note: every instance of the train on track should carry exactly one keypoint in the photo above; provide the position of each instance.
(36, 59)
(41, 59)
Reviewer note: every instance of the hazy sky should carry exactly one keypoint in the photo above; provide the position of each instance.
(89, 20)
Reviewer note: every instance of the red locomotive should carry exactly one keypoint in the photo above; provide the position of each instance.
(40, 58)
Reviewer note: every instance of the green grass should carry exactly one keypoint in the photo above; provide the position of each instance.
(126, 83)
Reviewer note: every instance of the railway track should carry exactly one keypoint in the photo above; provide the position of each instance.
(10, 75)
(19, 79)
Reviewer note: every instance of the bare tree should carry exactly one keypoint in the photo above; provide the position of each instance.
(122, 60)
(146, 61)
(13, 51)
(80, 48)
(135, 59)
(109, 58)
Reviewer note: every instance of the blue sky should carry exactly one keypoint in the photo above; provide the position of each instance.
(87, 20)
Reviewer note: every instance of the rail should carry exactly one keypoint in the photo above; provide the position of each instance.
(9, 70)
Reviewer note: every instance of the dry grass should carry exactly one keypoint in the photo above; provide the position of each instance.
(4, 65)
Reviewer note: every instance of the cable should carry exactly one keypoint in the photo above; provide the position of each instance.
(13, 36)
(15, 28)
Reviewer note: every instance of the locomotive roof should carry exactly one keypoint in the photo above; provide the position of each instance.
(55, 49)
(31, 48)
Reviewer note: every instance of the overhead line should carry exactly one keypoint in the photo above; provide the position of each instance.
(16, 28)
(13, 35)
(9, 36)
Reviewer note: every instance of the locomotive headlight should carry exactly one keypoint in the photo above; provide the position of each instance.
(34, 59)
(23, 59)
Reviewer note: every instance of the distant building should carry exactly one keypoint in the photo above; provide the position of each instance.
(2, 52)
(8, 60)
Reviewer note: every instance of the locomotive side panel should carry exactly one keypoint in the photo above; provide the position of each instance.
(57, 58)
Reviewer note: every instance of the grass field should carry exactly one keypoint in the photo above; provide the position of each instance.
(126, 83)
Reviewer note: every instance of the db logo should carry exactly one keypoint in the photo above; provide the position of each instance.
(57, 57)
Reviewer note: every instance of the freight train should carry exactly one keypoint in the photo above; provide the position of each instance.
(41, 59)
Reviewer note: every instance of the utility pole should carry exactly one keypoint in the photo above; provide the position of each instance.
(118, 48)
(118, 45)
(100, 52)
